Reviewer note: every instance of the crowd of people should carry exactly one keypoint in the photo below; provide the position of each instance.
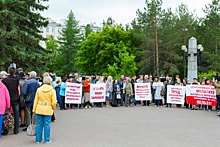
(45, 95)
(28, 100)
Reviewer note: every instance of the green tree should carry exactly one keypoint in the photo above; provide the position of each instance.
(20, 34)
(52, 47)
(108, 52)
(209, 36)
(175, 30)
(88, 30)
(160, 34)
(110, 22)
(70, 41)
(146, 27)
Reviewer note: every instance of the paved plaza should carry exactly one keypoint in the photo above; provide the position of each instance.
(128, 127)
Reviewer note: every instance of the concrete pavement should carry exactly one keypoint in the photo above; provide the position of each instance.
(128, 127)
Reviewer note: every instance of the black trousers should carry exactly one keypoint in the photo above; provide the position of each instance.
(53, 117)
(62, 104)
(148, 103)
(122, 98)
(15, 107)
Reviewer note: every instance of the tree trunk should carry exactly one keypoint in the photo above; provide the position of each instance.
(157, 51)
(216, 52)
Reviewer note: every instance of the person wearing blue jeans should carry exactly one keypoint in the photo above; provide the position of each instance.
(218, 103)
(43, 121)
(4, 104)
(1, 122)
(44, 105)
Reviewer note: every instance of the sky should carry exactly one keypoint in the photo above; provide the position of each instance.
(122, 11)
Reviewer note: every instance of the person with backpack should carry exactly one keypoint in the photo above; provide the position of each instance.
(29, 88)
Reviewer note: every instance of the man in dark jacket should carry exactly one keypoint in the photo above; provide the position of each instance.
(12, 84)
(30, 87)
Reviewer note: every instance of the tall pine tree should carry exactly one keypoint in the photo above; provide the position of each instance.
(20, 34)
(70, 43)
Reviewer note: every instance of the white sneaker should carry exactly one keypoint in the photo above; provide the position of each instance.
(48, 141)
(90, 107)
(86, 107)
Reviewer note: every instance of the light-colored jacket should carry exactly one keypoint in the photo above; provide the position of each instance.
(4, 98)
(217, 86)
(109, 86)
(63, 89)
(128, 88)
(45, 100)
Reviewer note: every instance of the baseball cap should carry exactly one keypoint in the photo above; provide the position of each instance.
(76, 74)
(3, 73)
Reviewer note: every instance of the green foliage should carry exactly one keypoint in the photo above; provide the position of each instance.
(52, 47)
(210, 74)
(88, 30)
(107, 52)
(20, 34)
(208, 31)
(70, 44)
(110, 22)
(165, 30)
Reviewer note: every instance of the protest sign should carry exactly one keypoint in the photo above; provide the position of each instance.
(142, 91)
(201, 95)
(155, 84)
(73, 93)
(175, 94)
(97, 93)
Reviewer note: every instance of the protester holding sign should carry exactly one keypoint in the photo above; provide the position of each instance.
(158, 86)
(175, 94)
(206, 107)
(194, 107)
(100, 81)
(201, 95)
(178, 83)
(166, 83)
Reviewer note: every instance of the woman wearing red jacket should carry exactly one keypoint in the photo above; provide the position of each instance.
(86, 86)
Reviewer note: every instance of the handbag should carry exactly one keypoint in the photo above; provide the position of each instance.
(8, 120)
(28, 98)
(118, 96)
(31, 130)
(162, 92)
(22, 101)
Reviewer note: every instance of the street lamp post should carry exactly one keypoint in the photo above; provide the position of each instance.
(192, 70)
